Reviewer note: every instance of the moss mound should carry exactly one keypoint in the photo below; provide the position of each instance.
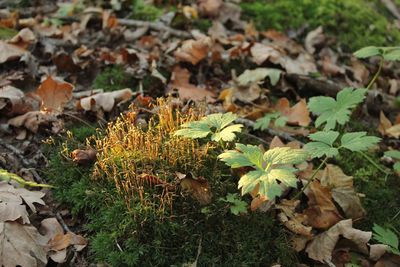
(356, 23)
(133, 220)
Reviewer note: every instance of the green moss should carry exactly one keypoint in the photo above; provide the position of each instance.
(113, 78)
(138, 237)
(381, 199)
(7, 33)
(142, 11)
(356, 23)
(202, 24)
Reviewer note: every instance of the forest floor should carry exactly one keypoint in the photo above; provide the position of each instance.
(199, 133)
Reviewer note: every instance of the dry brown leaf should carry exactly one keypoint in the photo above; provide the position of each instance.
(11, 99)
(322, 246)
(387, 128)
(277, 142)
(292, 220)
(209, 8)
(198, 188)
(304, 64)
(10, 52)
(24, 38)
(194, 51)
(180, 81)
(54, 94)
(33, 119)
(343, 192)
(105, 101)
(329, 67)
(321, 212)
(262, 52)
(360, 72)
(12, 211)
(314, 38)
(84, 157)
(298, 114)
(21, 245)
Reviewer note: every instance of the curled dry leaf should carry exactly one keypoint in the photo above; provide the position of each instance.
(387, 128)
(314, 38)
(84, 157)
(194, 51)
(198, 188)
(322, 212)
(292, 220)
(105, 101)
(304, 64)
(209, 8)
(54, 94)
(21, 245)
(262, 52)
(11, 99)
(343, 192)
(24, 38)
(298, 114)
(58, 242)
(33, 119)
(322, 246)
(180, 81)
(10, 52)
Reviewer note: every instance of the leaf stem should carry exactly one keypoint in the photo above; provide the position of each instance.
(378, 72)
(311, 178)
(374, 163)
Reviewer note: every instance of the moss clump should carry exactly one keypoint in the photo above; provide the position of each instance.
(7, 33)
(142, 11)
(113, 78)
(381, 199)
(135, 233)
(356, 23)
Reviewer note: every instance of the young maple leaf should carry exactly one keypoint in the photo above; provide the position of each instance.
(331, 111)
(269, 167)
(217, 124)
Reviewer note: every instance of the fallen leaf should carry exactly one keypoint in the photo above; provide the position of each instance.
(304, 64)
(295, 222)
(21, 245)
(11, 99)
(105, 101)
(24, 38)
(10, 52)
(387, 128)
(194, 51)
(84, 157)
(322, 246)
(198, 188)
(343, 192)
(321, 212)
(54, 94)
(209, 8)
(33, 119)
(180, 81)
(314, 38)
(262, 52)
(360, 72)
(298, 114)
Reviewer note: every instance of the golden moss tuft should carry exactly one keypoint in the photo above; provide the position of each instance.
(142, 162)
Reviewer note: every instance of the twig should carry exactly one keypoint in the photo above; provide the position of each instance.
(61, 221)
(155, 26)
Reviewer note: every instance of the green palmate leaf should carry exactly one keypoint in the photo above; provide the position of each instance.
(392, 55)
(358, 141)
(368, 51)
(387, 237)
(217, 124)
(270, 168)
(319, 149)
(393, 154)
(396, 166)
(281, 121)
(253, 76)
(328, 137)
(263, 123)
(244, 156)
(195, 129)
(331, 111)
(237, 206)
(227, 134)
(284, 155)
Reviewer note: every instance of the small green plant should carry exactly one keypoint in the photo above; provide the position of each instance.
(143, 11)
(269, 168)
(323, 143)
(237, 206)
(387, 237)
(331, 111)
(264, 122)
(395, 154)
(218, 125)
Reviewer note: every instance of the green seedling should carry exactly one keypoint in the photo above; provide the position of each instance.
(264, 122)
(387, 237)
(237, 206)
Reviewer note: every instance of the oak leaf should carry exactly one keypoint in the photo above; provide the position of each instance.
(194, 51)
(54, 94)
(33, 119)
